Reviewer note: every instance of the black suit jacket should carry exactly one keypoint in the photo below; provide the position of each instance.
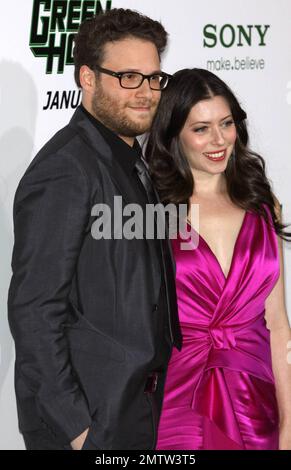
(82, 311)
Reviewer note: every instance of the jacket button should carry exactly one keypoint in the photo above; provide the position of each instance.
(155, 308)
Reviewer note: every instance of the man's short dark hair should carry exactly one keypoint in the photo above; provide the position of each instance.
(113, 25)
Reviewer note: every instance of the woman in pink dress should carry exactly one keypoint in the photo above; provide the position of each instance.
(229, 387)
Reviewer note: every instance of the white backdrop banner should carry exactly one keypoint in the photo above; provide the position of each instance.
(246, 43)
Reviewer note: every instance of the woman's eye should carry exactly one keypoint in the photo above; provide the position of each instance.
(228, 123)
(199, 130)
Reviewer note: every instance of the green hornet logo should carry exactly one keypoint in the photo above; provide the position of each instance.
(53, 26)
(229, 35)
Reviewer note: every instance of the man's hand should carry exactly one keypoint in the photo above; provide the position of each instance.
(78, 443)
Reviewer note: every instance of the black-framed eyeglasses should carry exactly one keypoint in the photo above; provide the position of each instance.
(131, 80)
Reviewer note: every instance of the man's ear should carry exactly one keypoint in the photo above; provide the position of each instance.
(87, 79)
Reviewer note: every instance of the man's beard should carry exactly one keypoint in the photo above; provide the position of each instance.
(113, 115)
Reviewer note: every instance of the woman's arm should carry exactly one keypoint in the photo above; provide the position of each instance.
(277, 322)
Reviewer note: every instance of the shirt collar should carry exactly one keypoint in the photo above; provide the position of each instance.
(122, 152)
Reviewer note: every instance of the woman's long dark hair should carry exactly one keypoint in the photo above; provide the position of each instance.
(247, 183)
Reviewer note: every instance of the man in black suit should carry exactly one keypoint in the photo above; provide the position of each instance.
(94, 319)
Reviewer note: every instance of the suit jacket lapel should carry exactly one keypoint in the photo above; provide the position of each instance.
(121, 180)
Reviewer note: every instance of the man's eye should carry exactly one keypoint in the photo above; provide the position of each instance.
(155, 78)
(129, 76)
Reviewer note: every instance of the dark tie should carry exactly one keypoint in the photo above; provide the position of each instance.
(143, 174)
(167, 261)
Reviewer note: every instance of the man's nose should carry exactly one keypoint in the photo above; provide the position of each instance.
(144, 90)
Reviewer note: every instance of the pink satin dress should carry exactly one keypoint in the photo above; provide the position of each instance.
(219, 392)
